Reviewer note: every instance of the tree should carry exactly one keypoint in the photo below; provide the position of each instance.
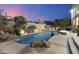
(3, 20)
(31, 28)
(48, 22)
(54, 24)
(20, 23)
(63, 23)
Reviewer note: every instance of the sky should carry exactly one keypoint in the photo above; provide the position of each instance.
(35, 12)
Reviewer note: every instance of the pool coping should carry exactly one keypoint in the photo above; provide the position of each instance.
(33, 34)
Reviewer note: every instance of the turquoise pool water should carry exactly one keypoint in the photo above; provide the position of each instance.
(35, 37)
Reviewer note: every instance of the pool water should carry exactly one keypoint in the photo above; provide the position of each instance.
(35, 37)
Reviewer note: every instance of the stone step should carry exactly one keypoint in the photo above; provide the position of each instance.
(73, 48)
(76, 41)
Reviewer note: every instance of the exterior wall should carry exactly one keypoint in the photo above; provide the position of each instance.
(39, 26)
(75, 16)
(29, 24)
(75, 22)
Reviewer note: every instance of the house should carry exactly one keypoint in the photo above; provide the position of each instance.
(75, 16)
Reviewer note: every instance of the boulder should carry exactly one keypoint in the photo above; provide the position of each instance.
(45, 44)
(40, 44)
(6, 37)
(2, 38)
(36, 44)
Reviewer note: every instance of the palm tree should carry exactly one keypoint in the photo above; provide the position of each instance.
(31, 28)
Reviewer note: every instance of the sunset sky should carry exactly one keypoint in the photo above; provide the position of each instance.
(35, 12)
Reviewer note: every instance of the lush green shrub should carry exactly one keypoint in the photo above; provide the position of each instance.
(16, 31)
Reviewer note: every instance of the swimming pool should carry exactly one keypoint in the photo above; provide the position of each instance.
(35, 37)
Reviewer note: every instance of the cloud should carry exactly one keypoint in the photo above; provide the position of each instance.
(15, 11)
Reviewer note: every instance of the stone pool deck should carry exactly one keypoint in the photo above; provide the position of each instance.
(58, 46)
